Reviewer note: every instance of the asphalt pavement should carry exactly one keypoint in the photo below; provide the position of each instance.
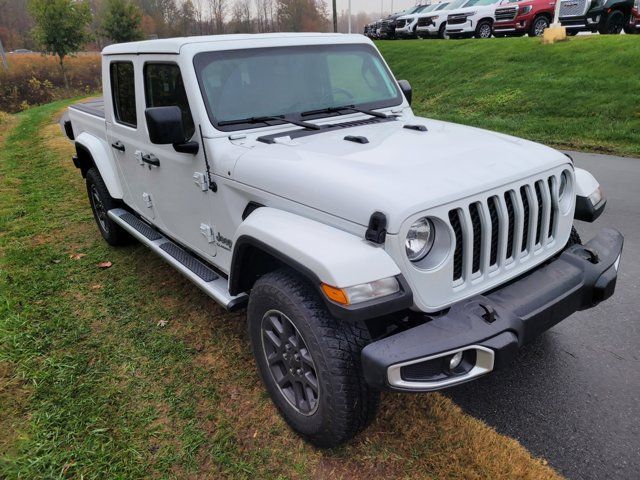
(573, 395)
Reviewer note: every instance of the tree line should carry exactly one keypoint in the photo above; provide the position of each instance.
(109, 21)
(63, 27)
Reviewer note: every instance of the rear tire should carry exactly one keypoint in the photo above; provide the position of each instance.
(101, 202)
(309, 361)
(612, 24)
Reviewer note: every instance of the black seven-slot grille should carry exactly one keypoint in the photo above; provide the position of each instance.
(400, 23)
(425, 21)
(489, 234)
(504, 14)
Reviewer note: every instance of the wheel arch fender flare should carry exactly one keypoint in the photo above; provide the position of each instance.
(319, 252)
(93, 151)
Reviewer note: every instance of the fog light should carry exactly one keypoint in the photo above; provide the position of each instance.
(455, 361)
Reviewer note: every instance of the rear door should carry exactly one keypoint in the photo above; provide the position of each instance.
(125, 131)
(179, 184)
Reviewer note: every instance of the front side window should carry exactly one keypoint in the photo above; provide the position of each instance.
(123, 91)
(288, 81)
(163, 87)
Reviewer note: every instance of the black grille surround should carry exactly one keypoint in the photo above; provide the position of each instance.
(506, 14)
(457, 19)
(425, 21)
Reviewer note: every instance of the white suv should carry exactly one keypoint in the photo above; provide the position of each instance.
(434, 22)
(474, 19)
(406, 24)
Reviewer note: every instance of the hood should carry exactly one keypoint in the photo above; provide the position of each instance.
(400, 172)
(474, 8)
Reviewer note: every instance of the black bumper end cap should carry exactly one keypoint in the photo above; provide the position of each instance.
(586, 211)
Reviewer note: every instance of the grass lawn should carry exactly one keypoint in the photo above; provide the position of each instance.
(131, 372)
(583, 94)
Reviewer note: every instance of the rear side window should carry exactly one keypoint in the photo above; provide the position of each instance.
(124, 95)
(163, 87)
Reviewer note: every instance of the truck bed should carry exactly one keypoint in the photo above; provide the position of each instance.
(86, 116)
(93, 107)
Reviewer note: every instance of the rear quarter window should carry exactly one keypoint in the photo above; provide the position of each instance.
(123, 91)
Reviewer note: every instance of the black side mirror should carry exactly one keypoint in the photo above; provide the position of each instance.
(405, 86)
(165, 125)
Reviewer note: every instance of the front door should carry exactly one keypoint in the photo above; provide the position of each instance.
(178, 181)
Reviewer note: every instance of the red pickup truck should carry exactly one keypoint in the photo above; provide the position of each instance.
(634, 19)
(517, 18)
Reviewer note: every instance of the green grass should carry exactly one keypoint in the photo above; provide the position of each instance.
(581, 94)
(131, 372)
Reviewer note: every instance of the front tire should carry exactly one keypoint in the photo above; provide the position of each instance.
(442, 31)
(484, 29)
(101, 202)
(309, 361)
(539, 25)
(612, 24)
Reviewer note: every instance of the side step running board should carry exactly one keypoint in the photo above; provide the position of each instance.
(191, 267)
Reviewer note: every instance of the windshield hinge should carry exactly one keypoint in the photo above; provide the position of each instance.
(200, 179)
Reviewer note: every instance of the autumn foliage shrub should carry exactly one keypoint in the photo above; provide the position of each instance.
(34, 79)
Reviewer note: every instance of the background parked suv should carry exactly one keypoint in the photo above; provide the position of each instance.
(634, 20)
(388, 25)
(475, 18)
(406, 24)
(517, 18)
(604, 16)
(434, 23)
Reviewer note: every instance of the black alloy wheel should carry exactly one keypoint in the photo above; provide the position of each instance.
(290, 362)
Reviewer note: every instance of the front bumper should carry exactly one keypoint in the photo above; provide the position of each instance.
(510, 26)
(461, 28)
(405, 32)
(588, 22)
(430, 30)
(490, 328)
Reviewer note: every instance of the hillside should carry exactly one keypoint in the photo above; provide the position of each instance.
(582, 94)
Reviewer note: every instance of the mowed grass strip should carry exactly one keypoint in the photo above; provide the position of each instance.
(131, 372)
(582, 94)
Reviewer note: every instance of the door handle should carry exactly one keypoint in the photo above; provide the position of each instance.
(118, 146)
(151, 159)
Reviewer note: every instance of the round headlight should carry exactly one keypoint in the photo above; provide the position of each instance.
(419, 239)
(564, 181)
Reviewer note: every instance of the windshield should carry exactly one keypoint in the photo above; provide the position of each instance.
(478, 3)
(441, 6)
(241, 84)
(457, 4)
(430, 8)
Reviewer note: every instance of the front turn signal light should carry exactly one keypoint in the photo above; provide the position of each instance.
(363, 292)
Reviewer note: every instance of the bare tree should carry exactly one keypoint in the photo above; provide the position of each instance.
(218, 12)
(264, 17)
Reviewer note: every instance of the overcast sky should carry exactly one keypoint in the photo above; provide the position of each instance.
(373, 5)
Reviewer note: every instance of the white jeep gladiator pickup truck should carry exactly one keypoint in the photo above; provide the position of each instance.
(372, 249)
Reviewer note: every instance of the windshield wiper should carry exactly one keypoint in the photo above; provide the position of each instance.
(267, 118)
(351, 108)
